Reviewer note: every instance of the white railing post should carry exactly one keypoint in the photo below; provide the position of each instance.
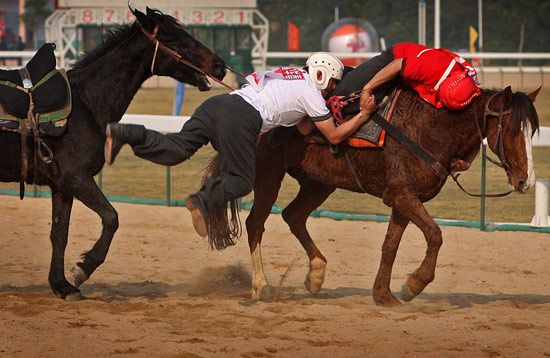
(541, 218)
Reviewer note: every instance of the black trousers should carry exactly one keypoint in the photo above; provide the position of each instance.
(232, 126)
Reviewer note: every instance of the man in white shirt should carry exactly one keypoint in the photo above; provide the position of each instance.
(232, 122)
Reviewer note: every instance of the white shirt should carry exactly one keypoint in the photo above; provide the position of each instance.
(291, 101)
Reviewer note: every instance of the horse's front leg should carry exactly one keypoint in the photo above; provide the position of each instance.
(411, 207)
(381, 292)
(311, 195)
(90, 195)
(62, 204)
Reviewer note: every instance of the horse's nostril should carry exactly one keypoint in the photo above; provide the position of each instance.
(521, 184)
(221, 69)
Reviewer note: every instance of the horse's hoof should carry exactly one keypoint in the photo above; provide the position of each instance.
(313, 289)
(73, 297)
(78, 275)
(393, 302)
(69, 293)
(263, 293)
(316, 276)
(406, 293)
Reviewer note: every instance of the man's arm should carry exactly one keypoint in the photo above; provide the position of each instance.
(336, 134)
(387, 73)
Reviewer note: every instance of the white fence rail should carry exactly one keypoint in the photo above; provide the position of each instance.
(165, 124)
(480, 55)
(490, 76)
(172, 124)
(271, 54)
(24, 56)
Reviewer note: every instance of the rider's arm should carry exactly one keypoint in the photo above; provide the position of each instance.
(336, 134)
(387, 73)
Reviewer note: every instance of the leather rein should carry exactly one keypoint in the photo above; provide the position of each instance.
(176, 56)
(498, 140)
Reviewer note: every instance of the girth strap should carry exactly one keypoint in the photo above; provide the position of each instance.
(28, 125)
(352, 170)
(410, 145)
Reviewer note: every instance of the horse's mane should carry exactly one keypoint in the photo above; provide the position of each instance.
(123, 33)
(522, 111)
(113, 40)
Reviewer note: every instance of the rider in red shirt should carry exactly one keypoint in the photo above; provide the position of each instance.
(440, 77)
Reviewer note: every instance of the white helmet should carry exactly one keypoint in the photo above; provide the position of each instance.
(322, 67)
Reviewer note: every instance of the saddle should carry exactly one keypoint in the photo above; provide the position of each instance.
(48, 86)
(369, 134)
(35, 100)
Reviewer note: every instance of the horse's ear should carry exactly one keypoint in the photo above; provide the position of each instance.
(139, 16)
(148, 10)
(507, 96)
(534, 94)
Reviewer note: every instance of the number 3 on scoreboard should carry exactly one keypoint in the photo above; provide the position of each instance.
(197, 17)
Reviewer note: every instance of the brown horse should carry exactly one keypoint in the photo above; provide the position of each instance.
(404, 182)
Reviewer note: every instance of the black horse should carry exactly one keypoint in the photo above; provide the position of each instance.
(103, 84)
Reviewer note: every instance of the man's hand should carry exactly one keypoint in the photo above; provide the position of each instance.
(367, 106)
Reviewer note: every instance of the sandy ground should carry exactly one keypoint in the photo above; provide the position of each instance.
(162, 293)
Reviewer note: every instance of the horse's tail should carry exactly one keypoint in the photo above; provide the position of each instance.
(222, 229)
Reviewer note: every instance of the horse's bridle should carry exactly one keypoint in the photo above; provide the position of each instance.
(499, 144)
(176, 56)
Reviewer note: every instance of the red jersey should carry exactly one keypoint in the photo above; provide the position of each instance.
(424, 68)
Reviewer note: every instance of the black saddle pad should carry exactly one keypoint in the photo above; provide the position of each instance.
(47, 96)
(39, 65)
(369, 130)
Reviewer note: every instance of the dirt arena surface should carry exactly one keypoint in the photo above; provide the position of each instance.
(162, 293)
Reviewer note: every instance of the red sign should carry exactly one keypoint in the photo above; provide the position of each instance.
(2, 29)
(293, 37)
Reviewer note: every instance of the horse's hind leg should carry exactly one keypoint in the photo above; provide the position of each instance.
(61, 212)
(311, 195)
(90, 195)
(381, 292)
(269, 175)
(255, 229)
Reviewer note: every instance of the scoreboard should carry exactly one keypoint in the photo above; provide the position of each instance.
(189, 16)
(158, 4)
(231, 23)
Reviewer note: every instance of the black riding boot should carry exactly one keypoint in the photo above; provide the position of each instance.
(119, 134)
